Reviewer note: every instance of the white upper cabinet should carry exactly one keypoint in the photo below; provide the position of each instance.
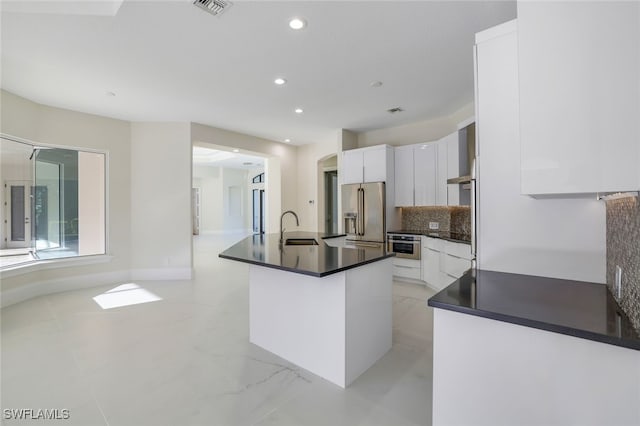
(425, 159)
(375, 164)
(422, 170)
(352, 166)
(371, 164)
(579, 81)
(403, 158)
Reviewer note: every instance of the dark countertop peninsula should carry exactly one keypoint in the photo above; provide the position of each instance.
(315, 260)
(455, 237)
(575, 308)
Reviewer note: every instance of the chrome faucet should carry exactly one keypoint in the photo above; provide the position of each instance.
(281, 228)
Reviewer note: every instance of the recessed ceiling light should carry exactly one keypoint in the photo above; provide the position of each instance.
(279, 81)
(376, 83)
(287, 140)
(297, 23)
(299, 110)
(236, 150)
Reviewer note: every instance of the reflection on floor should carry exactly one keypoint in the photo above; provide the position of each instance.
(182, 357)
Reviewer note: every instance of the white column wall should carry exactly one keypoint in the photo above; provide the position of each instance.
(161, 201)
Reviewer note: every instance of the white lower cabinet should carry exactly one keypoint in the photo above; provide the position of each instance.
(432, 249)
(443, 262)
(457, 260)
(407, 268)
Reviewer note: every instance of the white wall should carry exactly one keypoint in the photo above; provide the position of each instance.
(161, 200)
(91, 203)
(48, 125)
(235, 188)
(311, 183)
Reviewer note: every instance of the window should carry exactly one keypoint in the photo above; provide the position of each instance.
(53, 202)
(259, 178)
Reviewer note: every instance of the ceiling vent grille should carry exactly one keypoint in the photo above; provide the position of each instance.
(394, 110)
(214, 7)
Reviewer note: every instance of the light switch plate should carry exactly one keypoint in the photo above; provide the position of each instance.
(434, 225)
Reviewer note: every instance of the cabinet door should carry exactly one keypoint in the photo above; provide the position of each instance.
(441, 178)
(375, 165)
(430, 253)
(453, 170)
(352, 166)
(403, 159)
(424, 166)
(579, 64)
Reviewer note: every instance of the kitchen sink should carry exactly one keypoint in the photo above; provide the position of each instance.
(301, 242)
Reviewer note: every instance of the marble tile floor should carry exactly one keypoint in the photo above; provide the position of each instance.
(186, 360)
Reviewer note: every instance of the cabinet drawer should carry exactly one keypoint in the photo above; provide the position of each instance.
(409, 263)
(458, 249)
(407, 272)
(455, 266)
(433, 243)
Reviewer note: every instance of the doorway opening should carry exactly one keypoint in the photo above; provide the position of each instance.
(328, 206)
(331, 201)
(224, 197)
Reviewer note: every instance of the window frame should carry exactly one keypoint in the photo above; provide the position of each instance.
(38, 264)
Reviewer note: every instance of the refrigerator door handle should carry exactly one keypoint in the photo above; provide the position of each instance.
(361, 212)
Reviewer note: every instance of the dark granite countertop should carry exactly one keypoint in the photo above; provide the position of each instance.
(449, 236)
(575, 308)
(318, 260)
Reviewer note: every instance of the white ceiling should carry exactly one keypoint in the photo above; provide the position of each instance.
(227, 159)
(171, 61)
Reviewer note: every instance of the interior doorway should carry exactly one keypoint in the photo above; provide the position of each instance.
(331, 201)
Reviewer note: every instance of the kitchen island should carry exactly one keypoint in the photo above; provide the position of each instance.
(325, 307)
(527, 350)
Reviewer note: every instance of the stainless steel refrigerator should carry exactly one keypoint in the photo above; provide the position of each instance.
(363, 207)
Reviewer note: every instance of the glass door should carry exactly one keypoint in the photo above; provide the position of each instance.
(55, 208)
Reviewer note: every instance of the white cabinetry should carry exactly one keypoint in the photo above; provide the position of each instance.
(421, 172)
(432, 251)
(441, 178)
(579, 89)
(375, 163)
(425, 159)
(352, 166)
(457, 260)
(372, 164)
(407, 268)
(443, 262)
(403, 158)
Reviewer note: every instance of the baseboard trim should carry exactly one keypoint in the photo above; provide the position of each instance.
(58, 285)
(160, 274)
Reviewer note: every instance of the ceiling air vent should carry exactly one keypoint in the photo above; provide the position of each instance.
(394, 110)
(214, 7)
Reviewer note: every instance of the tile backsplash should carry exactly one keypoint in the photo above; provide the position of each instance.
(623, 249)
(451, 219)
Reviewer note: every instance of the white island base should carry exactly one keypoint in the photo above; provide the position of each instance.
(335, 326)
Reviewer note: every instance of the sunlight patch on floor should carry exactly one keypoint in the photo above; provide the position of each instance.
(125, 295)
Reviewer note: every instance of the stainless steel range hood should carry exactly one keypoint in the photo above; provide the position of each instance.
(466, 154)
